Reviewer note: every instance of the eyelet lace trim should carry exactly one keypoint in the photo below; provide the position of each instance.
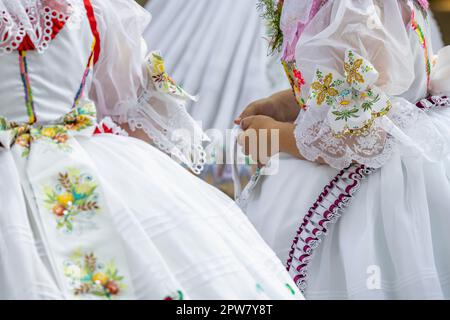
(108, 126)
(34, 19)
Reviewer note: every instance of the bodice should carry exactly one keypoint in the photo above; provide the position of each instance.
(47, 82)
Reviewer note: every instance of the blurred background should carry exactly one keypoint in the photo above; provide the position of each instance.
(441, 9)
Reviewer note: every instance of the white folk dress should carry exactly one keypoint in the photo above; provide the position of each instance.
(88, 213)
(365, 63)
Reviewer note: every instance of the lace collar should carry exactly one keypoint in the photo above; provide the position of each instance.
(32, 24)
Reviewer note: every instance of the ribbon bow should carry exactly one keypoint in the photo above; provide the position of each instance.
(79, 121)
(353, 99)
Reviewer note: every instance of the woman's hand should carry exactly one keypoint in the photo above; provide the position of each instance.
(264, 137)
(281, 107)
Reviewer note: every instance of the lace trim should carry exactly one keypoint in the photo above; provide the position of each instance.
(374, 148)
(108, 126)
(327, 209)
(172, 129)
(32, 24)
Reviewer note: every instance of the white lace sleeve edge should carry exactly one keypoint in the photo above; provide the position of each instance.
(161, 113)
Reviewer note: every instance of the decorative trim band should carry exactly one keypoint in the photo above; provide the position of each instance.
(433, 102)
(27, 87)
(326, 210)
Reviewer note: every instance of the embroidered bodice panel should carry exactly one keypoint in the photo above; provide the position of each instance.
(54, 76)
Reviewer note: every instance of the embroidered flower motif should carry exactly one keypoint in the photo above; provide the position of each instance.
(56, 135)
(80, 120)
(73, 201)
(88, 277)
(162, 81)
(78, 123)
(354, 103)
(24, 140)
(324, 88)
(298, 75)
(352, 71)
(296, 80)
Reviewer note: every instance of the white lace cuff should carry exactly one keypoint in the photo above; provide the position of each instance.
(161, 114)
(350, 120)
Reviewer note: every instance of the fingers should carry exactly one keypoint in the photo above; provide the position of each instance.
(256, 149)
(249, 146)
(253, 109)
(247, 122)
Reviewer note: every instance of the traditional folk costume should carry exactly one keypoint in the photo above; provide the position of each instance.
(87, 212)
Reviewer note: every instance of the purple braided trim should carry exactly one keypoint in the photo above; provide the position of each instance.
(326, 210)
(433, 102)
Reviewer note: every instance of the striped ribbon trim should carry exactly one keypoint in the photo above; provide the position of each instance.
(27, 87)
(423, 42)
(89, 67)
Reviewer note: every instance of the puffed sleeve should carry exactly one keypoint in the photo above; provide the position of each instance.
(358, 62)
(131, 86)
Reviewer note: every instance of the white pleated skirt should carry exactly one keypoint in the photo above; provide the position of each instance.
(161, 233)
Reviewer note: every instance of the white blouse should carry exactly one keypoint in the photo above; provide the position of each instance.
(365, 66)
(126, 84)
(135, 89)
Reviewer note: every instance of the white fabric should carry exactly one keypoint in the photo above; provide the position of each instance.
(392, 240)
(124, 90)
(441, 73)
(377, 31)
(76, 208)
(436, 34)
(217, 50)
(47, 108)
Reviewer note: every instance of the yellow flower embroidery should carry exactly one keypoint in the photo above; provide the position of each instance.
(49, 132)
(352, 73)
(345, 103)
(324, 89)
(78, 122)
(158, 63)
(24, 140)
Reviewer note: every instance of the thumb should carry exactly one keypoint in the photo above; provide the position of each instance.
(251, 110)
(247, 122)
